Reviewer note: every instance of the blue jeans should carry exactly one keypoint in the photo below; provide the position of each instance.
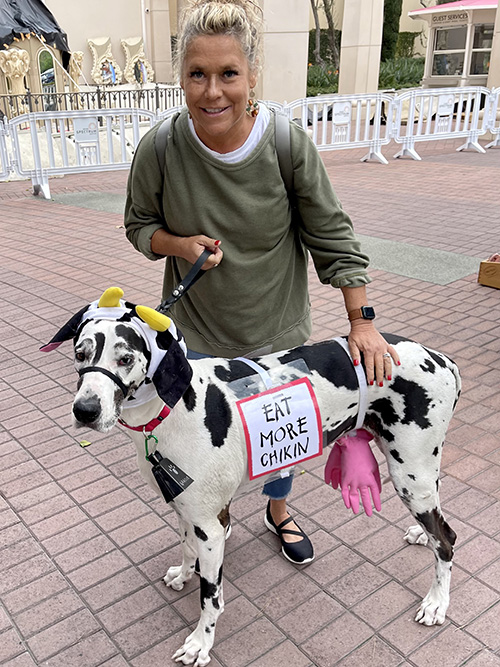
(277, 489)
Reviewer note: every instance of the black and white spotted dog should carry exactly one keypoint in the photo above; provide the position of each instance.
(132, 372)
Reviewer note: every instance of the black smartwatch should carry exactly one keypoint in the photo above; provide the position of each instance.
(363, 313)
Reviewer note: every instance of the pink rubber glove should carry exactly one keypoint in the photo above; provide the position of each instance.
(332, 468)
(352, 466)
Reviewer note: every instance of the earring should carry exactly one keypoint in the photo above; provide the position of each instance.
(252, 108)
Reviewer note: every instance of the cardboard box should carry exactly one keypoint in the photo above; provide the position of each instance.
(489, 274)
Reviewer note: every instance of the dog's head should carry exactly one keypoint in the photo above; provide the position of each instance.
(125, 356)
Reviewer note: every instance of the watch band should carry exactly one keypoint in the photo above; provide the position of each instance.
(363, 313)
(355, 314)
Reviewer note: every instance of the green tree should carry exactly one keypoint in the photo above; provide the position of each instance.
(392, 15)
(46, 60)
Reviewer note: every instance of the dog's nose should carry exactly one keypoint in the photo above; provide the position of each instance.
(88, 410)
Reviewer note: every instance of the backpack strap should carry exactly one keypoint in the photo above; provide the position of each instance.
(160, 142)
(284, 151)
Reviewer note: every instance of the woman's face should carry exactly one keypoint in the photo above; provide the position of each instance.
(216, 79)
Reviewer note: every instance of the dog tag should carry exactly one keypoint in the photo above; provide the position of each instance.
(169, 477)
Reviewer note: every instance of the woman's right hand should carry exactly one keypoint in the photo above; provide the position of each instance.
(193, 246)
(187, 247)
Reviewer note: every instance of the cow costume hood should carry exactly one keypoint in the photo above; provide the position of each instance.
(169, 372)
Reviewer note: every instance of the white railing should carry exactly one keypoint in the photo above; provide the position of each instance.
(168, 112)
(430, 114)
(346, 121)
(5, 162)
(494, 122)
(64, 142)
(49, 143)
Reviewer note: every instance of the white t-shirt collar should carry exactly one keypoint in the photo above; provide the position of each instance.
(259, 127)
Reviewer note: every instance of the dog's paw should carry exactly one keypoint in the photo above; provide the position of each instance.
(416, 535)
(432, 610)
(175, 579)
(193, 652)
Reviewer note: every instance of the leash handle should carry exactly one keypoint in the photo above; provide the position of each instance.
(191, 277)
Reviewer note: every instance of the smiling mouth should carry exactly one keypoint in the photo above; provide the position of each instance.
(214, 112)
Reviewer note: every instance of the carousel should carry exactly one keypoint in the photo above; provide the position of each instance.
(36, 62)
(34, 52)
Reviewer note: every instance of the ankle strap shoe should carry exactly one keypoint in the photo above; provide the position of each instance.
(300, 552)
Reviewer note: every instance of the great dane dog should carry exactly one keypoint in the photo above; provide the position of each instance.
(133, 368)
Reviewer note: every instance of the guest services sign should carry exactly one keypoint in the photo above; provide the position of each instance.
(282, 427)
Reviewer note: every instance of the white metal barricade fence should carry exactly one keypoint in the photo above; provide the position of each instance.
(494, 121)
(430, 114)
(5, 162)
(62, 142)
(168, 112)
(346, 121)
(50, 143)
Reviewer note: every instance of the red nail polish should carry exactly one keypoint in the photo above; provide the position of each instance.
(380, 384)
(356, 362)
(399, 363)
(389, 377)
(216, 242)
(371, 382)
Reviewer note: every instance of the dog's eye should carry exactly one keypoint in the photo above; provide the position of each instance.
(125, 361)
(79, 356)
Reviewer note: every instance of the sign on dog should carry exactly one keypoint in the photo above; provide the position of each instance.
(282, 427)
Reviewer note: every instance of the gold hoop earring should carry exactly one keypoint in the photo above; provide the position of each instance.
(252, 107)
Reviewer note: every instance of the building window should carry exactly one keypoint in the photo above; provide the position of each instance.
(449, 51)
(481, 49)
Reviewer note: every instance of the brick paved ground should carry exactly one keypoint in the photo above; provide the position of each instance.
(84, 543)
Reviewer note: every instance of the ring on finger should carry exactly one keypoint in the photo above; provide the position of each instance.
(386, 355)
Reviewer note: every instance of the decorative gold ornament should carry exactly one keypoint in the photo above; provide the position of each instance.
(105, 70)
(75, 69)
(138, 69)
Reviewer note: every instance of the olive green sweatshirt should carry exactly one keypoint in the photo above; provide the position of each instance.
(258, 296)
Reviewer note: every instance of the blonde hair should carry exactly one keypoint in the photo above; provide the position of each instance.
(241, 19)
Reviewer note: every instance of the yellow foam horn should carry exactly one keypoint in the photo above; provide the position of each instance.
(157, 321)
(111, 298)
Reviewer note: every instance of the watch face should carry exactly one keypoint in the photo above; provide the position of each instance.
(368, 313)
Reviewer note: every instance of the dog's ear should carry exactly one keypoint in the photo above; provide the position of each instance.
(67, 332)
(173, 375)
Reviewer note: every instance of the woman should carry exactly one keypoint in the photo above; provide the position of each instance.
(222, 188)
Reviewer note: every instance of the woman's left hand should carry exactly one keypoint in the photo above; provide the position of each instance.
(377, 353)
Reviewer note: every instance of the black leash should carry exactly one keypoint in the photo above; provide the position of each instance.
(192, 276)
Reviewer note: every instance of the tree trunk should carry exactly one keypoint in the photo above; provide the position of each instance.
(328, 9)
(317, 41)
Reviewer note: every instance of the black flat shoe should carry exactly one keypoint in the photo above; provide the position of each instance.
(299, 553)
